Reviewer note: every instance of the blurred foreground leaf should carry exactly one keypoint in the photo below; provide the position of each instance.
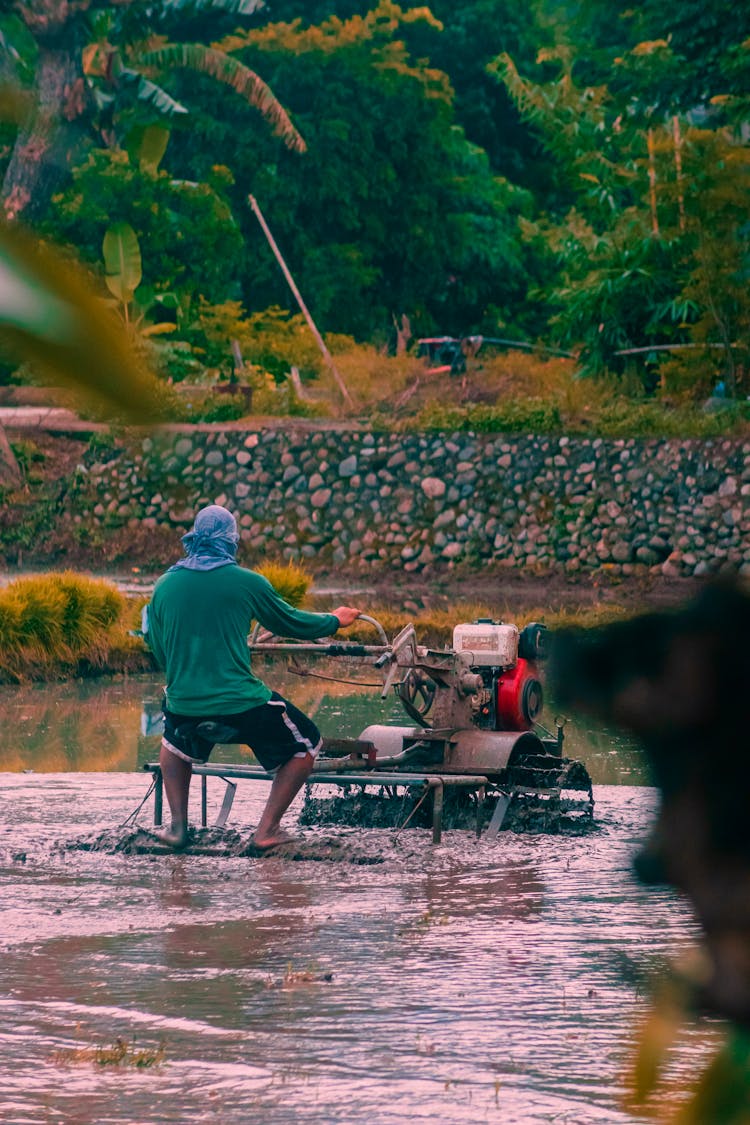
(719, 1092)
(51, 319)
(722, 1096)
(14, 103)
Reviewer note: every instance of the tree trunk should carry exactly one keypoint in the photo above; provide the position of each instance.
(47, 141)
(10, 473)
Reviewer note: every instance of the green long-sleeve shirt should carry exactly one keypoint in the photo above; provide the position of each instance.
(199, 622)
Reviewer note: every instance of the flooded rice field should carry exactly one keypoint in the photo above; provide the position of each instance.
(371, 977)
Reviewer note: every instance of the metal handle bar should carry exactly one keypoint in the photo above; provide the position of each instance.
(324, 645)
(378, 626)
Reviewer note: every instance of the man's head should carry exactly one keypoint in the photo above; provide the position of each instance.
(213, 539)
(214, 522)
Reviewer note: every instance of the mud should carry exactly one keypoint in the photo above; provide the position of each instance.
(222, 843)
(526, 812)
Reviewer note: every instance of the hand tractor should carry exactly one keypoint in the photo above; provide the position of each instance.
(473, 756)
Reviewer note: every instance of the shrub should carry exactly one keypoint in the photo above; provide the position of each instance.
(591, 407)
(27, 454)
(215, 408)
(289, 580)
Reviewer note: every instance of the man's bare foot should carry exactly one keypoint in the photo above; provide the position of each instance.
(275, 840)
(172, 837)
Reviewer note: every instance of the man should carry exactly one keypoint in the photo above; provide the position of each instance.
(198, 624)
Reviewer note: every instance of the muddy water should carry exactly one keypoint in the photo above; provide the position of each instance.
(473, 982)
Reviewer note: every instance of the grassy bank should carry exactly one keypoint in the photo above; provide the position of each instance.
(434, 627)
(520, 392)
(498, 392)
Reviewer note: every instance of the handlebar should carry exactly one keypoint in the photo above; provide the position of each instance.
(378, 626)
(323, 643)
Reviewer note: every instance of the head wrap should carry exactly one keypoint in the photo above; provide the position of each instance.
(212, 542)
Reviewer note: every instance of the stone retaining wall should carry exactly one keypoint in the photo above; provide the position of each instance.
(415, 500)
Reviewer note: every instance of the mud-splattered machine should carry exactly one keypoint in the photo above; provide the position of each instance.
(474, 754)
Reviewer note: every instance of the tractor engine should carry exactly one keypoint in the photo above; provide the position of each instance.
(506, 660)
(474, 736)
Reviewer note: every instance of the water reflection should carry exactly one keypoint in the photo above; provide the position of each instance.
(114, 725)
(474, 982)
(513, 890)
(54, 728)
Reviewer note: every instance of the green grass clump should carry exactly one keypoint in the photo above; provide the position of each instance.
(534, 415)
(653, 419)
(289, 580)
(91, 607)
(10, 624)
(58, 619)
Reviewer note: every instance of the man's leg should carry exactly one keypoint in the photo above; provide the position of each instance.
(286, 785)
(176, 773)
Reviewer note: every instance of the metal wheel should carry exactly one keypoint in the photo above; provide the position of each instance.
(417, 693)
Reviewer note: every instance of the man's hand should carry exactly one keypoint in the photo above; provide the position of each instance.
(347, 615)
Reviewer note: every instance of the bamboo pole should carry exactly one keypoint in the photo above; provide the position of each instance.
(677, 136)
(298, 297)
(652, 183)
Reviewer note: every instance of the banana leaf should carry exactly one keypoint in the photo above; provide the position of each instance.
(230, 71)
(122, 261)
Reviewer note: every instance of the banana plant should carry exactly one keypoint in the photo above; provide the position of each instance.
(121, 62)
(123, 275)
(224, 68)
(127, 53)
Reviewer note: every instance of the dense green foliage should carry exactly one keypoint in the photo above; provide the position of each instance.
(179, 223)
(577, 174)
(699, 50)
(391, 210)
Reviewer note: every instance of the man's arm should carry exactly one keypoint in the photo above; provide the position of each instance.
(284, 620)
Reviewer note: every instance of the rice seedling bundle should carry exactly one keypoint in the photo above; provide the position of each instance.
(10, 623)
(56, 617)
(290, 581)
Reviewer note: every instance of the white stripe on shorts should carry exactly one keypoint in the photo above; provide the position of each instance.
(313, 751)
(180, 753)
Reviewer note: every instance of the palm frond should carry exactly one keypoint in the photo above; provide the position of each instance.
(150, 93)
(224, 68)
(185, 8)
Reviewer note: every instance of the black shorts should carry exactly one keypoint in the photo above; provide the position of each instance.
(275, 732)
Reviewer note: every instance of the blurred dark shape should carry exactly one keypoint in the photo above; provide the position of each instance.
(680, 681)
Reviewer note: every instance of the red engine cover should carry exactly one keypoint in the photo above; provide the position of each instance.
(519, 696)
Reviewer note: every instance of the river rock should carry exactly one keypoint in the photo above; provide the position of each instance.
(320, 497)
(433, 487)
